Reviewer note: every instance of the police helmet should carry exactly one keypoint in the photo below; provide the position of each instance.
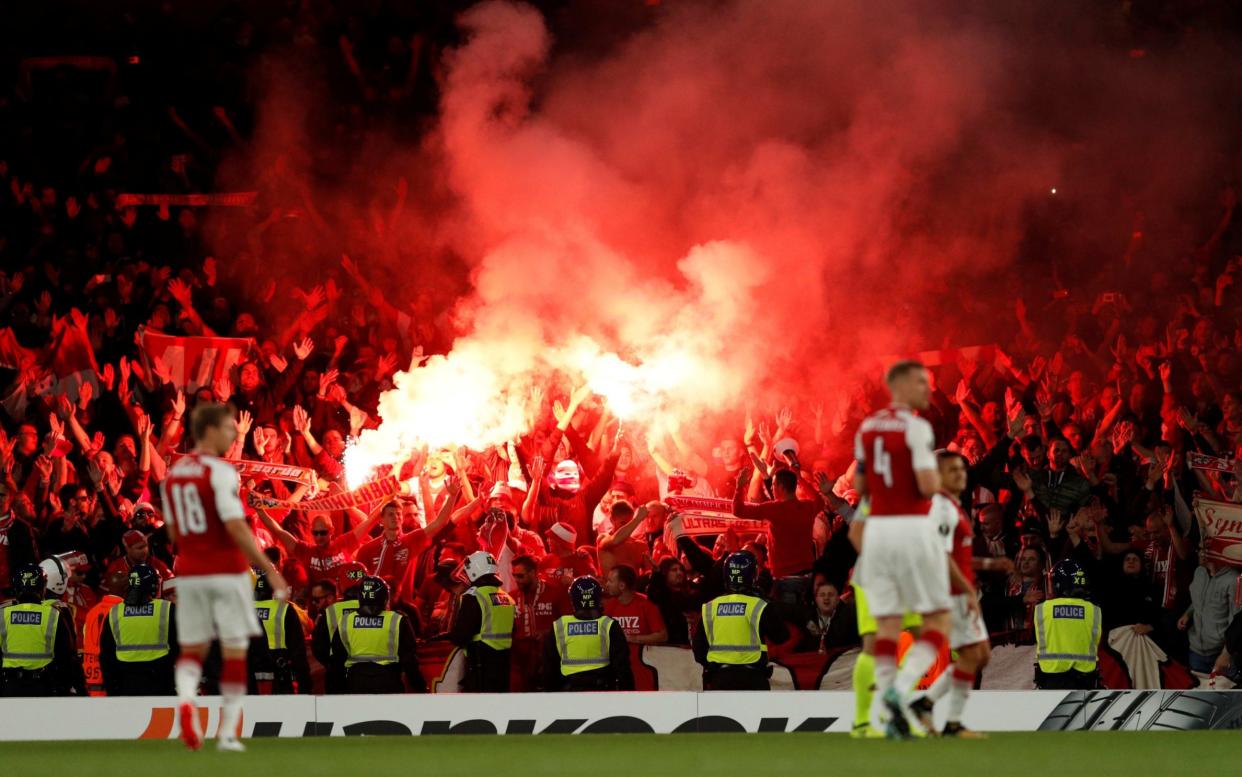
(262, 588)
(1069, 579)
(740, 569)
(586, 594)
(480, 564)
(144, 584)
(372, 595)
(29, 583)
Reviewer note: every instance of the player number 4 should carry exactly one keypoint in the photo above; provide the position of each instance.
(882, 462)
(188, 506)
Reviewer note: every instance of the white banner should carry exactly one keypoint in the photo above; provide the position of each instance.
(581, 713)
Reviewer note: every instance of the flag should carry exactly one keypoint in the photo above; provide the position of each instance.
(69, 359)
(1222, 531)
(12, 355)
(196, 362)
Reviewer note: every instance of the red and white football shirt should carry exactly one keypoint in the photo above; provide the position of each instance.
(201, 494)
(890, 445)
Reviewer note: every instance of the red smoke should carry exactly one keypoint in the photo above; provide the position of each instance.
(748, 200)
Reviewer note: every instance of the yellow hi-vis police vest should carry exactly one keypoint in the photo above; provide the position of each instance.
(272, 614)
(336, 614)
(140, 630)
(28, 635)
(1067, 635)
(731, 626)
(582, 645)
(371, 639)
(498, 611)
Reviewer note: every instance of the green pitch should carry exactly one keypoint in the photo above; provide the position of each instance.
(625, 755)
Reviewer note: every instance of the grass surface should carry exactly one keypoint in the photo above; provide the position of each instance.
(697, 755)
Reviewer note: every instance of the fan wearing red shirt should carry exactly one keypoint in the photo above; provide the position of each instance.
(322, 557)
(215, 600)
(538, 605)
(638, 617)
(565, 562)
(790, 520)
(137, 551)
(618, 547)
(388, 556)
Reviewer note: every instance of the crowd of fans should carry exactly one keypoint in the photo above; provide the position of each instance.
(1077, 424)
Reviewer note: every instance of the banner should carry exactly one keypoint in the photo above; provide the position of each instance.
(700, 515)
(1222, 531)
(1209, 463)
(303, 476)
(226, 200)
(196, 362)
(138, 717)
(368, 493)
(976, 354)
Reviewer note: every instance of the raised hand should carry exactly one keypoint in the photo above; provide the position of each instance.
(824, 484)
(178, 403)
(331, 291)
(962, 395)
(315, 297)
(44, 303)
(748, 437)
(304, 348)
(180, 291)
(244, 421)
(1166, 371)
(123, 367)
(580, 395)
(385, 365)
(278, 362)
(1022, 480)
(86, 392)
(301, 420)
(43, 465)
(1056, 521)
(143, 426)
(326, 380)
(107, 376)
(223, 388)
(161, 370)
(339, 344)
(784, 421)
(559, 411)
(765, 434)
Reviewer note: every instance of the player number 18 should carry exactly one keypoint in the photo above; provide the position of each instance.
(188, 506)
(882, 462)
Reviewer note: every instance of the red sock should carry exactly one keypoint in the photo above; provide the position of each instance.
(233, 673)
(962, 676)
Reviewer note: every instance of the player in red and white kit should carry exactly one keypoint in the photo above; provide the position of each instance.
(968, 636)
(902, 563)
(215, 550)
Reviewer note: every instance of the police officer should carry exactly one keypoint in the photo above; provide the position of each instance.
(377, 644)
(731, 645)
(587, 651)
(277, 659)
(484, 627)
(138, 648)
(1067, 633)
(37, 653)
(323, 635)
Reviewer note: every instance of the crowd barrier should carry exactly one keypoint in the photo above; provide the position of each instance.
(597, 713)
